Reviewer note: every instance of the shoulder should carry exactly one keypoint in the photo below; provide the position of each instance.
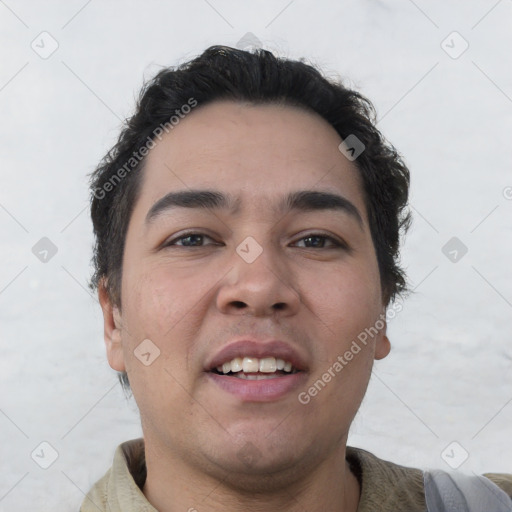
(386, 486)
(97, 497)
(502, 480)
(121, 486)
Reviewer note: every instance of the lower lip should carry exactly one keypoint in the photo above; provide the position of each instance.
(264, 390)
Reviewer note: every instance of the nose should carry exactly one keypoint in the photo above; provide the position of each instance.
(263, 287)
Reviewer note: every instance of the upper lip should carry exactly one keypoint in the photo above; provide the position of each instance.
(248, 347)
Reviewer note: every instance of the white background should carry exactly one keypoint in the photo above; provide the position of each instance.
(449, 375)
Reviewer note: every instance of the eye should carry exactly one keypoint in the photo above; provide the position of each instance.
(315, 241)
(192, 239)
(318, 241)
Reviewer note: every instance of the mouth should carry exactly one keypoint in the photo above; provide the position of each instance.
(253, 368)
(258, 372)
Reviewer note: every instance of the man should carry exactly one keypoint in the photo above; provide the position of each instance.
(247, 229)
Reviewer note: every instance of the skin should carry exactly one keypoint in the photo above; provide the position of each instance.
(191, 301)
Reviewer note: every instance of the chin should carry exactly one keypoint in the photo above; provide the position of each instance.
(263, 450)
(249, 470)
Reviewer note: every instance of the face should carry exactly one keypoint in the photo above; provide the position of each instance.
(299, 284)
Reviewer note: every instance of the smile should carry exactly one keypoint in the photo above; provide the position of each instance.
(253, 379)
(247, 367)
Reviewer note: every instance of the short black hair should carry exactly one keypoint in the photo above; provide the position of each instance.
(257, 77)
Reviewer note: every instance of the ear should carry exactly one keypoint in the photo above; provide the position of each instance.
(111, 329)
(382, 346)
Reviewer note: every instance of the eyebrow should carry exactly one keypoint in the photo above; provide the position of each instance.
(302, 200)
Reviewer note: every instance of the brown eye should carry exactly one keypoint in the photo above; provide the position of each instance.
(189, 240)
(317, 241)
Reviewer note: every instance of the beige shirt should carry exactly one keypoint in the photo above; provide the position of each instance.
(385, 487)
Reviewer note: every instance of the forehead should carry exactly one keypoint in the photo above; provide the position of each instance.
(252, 152)
(228, 129)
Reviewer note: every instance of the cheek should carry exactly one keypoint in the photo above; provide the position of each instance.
(348, 308)
(156, 301)
(349, 299)
(159, 306)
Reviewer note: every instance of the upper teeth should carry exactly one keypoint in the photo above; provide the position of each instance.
(253, 364)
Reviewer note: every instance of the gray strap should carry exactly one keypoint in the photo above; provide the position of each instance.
(457, 492)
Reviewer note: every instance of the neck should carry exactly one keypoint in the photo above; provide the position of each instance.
(174, 484)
